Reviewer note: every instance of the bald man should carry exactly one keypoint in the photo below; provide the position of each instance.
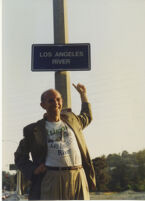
(61, 168)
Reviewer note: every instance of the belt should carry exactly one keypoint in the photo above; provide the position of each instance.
(64, 168)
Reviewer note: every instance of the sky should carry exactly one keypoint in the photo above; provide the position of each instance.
(115, 85)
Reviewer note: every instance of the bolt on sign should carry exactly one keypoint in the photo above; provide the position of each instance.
(61, 57)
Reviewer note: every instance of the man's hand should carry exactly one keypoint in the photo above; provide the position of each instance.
(40, 169)
(82, 91)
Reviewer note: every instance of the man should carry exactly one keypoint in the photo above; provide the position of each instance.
(60, 159)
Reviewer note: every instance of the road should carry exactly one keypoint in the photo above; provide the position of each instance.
(15, 197)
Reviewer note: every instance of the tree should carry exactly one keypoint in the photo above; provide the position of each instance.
(140, 178)
(120, 178)
(113, 160)
(102, 176)
(8, 181)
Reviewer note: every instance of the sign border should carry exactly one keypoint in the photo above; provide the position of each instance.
(61, 69)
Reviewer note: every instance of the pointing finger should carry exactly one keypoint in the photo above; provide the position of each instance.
(74, 85)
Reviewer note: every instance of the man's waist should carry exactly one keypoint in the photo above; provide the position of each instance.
(65, 168)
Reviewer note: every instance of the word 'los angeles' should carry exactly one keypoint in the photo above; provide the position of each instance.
(62, 54)
(59, 60)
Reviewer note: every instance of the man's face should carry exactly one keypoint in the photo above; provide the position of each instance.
(52, 102)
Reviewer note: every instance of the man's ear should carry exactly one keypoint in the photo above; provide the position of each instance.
(42, 105)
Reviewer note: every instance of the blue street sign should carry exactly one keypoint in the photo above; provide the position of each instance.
(61, 57)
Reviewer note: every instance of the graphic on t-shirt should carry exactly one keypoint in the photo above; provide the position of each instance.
(62, 145)
(59, 139)
(58, 134)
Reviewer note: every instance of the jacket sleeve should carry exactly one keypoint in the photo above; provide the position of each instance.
(85, 116)
(22, 159)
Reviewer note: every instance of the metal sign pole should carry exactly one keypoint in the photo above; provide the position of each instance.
(18, 190)
(62, 78)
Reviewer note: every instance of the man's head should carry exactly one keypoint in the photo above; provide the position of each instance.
(51, 101)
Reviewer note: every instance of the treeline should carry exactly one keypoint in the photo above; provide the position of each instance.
(8, 181)
(119, 172)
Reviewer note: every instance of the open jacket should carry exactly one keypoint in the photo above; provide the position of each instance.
(35, 142)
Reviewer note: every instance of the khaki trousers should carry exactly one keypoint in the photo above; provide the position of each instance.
(65, 185)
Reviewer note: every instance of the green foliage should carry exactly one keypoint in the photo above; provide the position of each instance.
(120, 178)
(102, 177)
(8, 181)
(119, 172)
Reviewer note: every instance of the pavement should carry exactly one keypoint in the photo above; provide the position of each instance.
(16, 197)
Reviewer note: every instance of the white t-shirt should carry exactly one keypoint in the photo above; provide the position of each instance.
(62, 145)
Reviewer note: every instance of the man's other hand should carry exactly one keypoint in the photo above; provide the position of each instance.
(40, 169)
